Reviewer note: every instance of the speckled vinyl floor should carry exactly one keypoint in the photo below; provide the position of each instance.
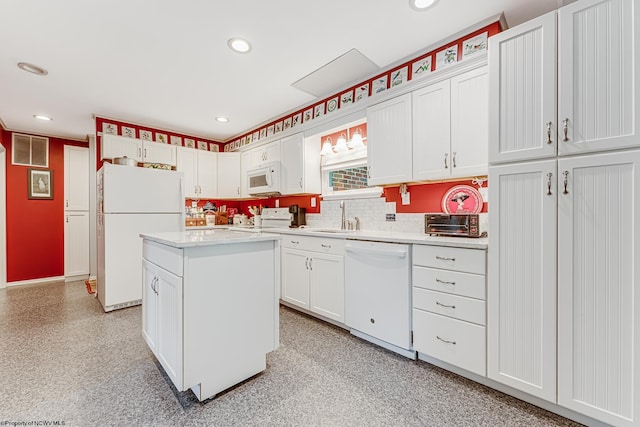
(63, 359)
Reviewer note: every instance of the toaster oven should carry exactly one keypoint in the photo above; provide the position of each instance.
(463, 225)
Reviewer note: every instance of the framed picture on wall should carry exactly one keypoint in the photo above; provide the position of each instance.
(40, 183)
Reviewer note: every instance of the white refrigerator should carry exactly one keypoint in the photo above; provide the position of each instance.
(132, 200)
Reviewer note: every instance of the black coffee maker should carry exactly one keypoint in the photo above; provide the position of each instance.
(297, 216)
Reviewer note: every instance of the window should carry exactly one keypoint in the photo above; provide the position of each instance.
(27, 150)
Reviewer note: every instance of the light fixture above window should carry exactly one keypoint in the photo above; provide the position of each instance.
(222, 119)
(239, 45)
(341, 145)
(42, 117)
(327, 148)
(422, 5)
(33, 69)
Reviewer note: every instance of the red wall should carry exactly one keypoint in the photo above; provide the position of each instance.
(35, 228)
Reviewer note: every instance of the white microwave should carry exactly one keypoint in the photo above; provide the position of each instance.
(264, 180)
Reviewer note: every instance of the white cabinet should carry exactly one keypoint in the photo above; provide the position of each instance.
(300, 165)
(265, 154)
(76, 244)
(389, 151)
(522, 277)
(200, 172)
(229, 175)
(450, 127)
(162, 318)
(76, 178)
(313, 275)
(245, 166)
(142, 151)
(598, 279)
(522, 104)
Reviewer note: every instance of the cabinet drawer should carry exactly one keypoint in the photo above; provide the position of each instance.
(462, 308)
(453, 341)
(458, 259)
(453, 282)
(164, 256)
(314, 244)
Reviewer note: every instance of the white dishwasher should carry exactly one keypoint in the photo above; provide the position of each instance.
(378, 294)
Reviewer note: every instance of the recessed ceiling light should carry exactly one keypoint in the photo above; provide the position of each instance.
(32, 68)
(41, 117)
(239, 45)
(422, 5)
(222, 119)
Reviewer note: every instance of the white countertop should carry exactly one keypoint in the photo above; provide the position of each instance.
(386, 236)
(193, 238)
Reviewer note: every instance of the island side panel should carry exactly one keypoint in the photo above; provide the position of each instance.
(229, 323)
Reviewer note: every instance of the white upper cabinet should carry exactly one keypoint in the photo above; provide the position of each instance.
(142, 151)
(522, 87)
(598, 277)
(599, 97)
(265, 154)
(245, 165)
(300, 165)
(200, 172)
(469, 123)
(389, 135)
(229, 175)
(76, 179)
(432, 131)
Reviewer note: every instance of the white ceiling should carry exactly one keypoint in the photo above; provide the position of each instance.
(166, 63)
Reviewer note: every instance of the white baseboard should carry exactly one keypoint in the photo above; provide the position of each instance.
(36, 281)
(83, 277)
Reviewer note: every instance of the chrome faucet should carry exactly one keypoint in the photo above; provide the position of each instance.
(343, 222)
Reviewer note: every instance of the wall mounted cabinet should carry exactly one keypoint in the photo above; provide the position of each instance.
(229, 175)
(200, 170)
(265, 154)
(142, 151)
(300, 165)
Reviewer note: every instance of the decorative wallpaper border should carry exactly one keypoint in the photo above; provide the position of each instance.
(115, 127)
(419, 67)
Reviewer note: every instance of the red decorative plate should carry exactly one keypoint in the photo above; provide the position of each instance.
(462, 199)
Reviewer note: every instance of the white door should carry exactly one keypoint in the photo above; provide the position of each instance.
(187, 163)
(3, 218)
(598, 282)
(470, 123)
(326, 286)
(522, 91)
(207, 174)
(432, 131)
(229, 175)
(170, 345)
(150, 305)
(598, 91)
(293, 164)
(76, 244)
(76, 178)
(521, 289)
(295, 277)
(389, 141)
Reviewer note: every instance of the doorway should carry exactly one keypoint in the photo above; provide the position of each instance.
(3, 217)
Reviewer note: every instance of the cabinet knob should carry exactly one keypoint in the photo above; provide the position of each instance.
(372, 320)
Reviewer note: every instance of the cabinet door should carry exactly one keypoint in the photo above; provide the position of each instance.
(295, 277)
(156, 152)
(389, 141)
(245, 165)
(521, 290)
(169, 348)
(293, 164)
(265, 154)
(598, 281)
(522, 91)
(326, 286)
(112, 146)
(599, 97)
(431, 132)
(229, 175)
(207, 174)
(149, 305)
(76, 178)
(469, 123)
(76, 243)
(187, 163)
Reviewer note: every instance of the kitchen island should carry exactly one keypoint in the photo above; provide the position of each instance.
(210, 305)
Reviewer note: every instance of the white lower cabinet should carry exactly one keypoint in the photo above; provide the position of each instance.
(449, 305)
(76, 244)
(313, 275)
(162, 318)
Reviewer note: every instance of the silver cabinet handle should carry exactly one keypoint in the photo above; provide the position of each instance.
(66, 203)
(445, 282)
(549, 175)
(446, 341)
(444, 305)
(445, 161)
(310, 263)
(566, 181)
(565, 129)
(238, 188)
(300, 182)
(139, 152)
(67, 218)
(145, 153)
(453, 159)
(549, 141)
(325, 246)
(444, 258)
(294, 242)
(306, 263)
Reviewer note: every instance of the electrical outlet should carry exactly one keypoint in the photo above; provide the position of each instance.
(313, 202)
(194, 204)
(406, 198)
(391, 217)
(277, 203)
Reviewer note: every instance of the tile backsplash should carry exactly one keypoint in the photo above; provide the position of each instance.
(372, 213)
